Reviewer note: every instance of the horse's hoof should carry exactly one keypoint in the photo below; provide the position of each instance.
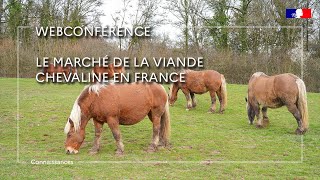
(93, 152)
(164, 143)
(259, 126)
(265, 123)
(299, 132)
(221, 112)
(187, 109)
(151, 149)
(119, 153)
(211, 111)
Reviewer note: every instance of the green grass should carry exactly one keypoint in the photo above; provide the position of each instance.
(203, 145)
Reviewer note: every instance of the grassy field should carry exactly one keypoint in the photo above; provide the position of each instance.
(204, 146)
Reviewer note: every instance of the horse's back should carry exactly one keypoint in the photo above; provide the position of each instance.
(212, 80)
(129, 102)
(203, 81)
(273, 91)
(285, 87)
(134, 93)
(261, 89)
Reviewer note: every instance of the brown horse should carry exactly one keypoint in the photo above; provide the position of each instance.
(118, 104)
(199, 82)
(274, 92)
(111, 70)
(52, 70)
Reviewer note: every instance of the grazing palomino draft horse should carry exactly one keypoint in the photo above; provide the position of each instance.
(51, 70)
(111, 70)
(199, 82)
(274, 92)
(118, 104)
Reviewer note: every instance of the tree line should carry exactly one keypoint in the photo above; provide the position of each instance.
(228, 33)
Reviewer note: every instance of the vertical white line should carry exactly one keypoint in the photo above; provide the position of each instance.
(18, 97)
(302, 60)
(302, 74)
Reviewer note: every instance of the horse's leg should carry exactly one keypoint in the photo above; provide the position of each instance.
(265, 121)
(98, 130)
(194, 102)
(259, 117)
(188, 97)
(221, 102)
(296, 113)
(156, 130)
(213, 102)
(113, 124)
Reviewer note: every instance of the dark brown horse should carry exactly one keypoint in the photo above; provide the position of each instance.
(52, 70)
(118, 104)
(199, 82)
(111, 70)
(274, 92)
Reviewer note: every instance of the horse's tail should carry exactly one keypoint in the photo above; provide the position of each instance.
(223, 90)
(165, 126)
(302, 104)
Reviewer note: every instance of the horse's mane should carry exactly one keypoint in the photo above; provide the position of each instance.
(95, 87)
(75, 115)
(170, 90)
(184, 71)
(258, 74)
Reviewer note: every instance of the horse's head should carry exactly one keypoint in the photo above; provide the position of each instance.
(74, 139)
(250, 112)
(173, 94)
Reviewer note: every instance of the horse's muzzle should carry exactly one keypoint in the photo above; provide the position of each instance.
(71, 151)
(68, 152)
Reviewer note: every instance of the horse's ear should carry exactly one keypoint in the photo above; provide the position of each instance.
(111, 65)
(246, 99)
(110, 70)
(71, 122)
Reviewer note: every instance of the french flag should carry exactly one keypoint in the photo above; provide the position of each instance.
(298, 13)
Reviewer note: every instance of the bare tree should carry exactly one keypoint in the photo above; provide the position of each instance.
(144, 14)
(120, 18)
(1, 16)
(197, 21)
(181, 10)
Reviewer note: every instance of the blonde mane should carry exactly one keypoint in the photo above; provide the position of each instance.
(75, 115)
(170, 90)
(258, 74)
(96, 87)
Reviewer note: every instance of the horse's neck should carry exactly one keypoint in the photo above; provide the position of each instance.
(175, 91)
(84, 122)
